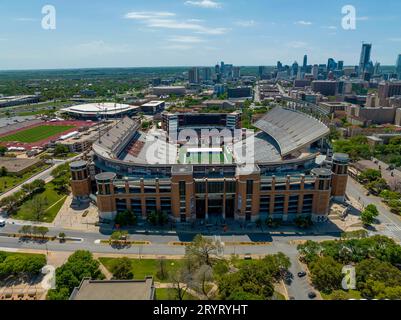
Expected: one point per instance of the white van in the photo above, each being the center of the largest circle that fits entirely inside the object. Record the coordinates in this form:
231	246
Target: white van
2	223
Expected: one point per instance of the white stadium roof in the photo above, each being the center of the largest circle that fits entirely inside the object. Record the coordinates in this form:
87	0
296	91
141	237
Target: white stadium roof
291	129
108	108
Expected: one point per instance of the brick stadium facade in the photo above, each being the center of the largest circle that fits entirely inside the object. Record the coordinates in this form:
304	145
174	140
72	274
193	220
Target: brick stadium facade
281	189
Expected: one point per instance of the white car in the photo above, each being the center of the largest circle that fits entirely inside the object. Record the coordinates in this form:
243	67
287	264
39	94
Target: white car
2	223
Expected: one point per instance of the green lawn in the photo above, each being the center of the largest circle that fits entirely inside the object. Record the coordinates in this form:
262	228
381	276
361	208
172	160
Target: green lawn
54	203
169	294
9	182
352	294
145	267
18	254
36	134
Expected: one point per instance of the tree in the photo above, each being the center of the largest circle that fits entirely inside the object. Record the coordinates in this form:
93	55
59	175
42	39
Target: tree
118	236
369	214
38	208
21	265
370	175
251	279
377	186
339	295
309	251
78	266
162	270
202	250
61	184
26	230
61	150
62	170
3	151
62	236
9	203
3	171
158	218
126	218
326	274
35	186
122	269
42	231
202	277
180	280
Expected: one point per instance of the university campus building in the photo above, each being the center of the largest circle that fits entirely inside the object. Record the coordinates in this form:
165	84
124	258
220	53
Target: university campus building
192	179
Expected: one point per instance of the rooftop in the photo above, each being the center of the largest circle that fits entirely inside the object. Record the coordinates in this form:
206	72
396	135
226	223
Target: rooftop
100	108
15	165
153	104
114	290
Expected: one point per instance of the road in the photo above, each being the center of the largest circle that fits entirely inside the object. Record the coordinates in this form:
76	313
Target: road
391	221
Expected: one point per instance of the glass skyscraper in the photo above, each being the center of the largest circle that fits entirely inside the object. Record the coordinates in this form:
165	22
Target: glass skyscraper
398	70
365	57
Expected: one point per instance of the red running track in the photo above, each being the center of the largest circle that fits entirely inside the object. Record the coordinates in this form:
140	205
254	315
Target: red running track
29	146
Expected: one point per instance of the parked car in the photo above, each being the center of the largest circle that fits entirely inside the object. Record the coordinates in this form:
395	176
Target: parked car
248	256
301	274
312	295
2	223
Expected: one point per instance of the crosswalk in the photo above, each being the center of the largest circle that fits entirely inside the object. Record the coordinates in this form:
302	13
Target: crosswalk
393	227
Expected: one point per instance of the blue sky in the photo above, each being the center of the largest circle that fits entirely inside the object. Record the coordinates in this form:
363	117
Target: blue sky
130	33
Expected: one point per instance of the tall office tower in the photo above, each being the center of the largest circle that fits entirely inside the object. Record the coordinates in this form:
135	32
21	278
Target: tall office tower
222	67
305	64
279	66
262	72
236	72
340	65
207	74
399	67
377	70
294	69
331	65
193	75
217	69
315	71
365	57
300	74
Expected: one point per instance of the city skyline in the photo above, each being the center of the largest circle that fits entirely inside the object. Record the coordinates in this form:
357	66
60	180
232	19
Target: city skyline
194	33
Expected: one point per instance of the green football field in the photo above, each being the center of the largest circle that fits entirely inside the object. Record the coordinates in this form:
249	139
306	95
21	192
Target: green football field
35	134
205	158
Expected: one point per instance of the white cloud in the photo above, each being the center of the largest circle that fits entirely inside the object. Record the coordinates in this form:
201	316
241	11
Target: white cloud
143	15
177	47
303	23
26	19
245	23
297	44
195	20
185	39
330	27
208	4
164	20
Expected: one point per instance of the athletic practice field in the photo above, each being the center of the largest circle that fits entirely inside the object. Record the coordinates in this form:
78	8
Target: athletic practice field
35	134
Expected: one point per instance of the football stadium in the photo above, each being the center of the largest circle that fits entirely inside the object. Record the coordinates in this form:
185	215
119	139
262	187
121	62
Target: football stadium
206	167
